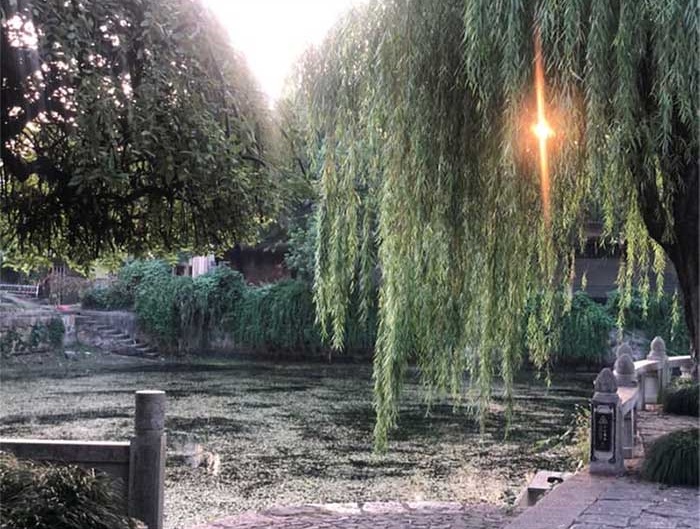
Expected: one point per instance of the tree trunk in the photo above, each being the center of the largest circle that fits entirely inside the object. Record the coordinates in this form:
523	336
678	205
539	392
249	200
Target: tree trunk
683	249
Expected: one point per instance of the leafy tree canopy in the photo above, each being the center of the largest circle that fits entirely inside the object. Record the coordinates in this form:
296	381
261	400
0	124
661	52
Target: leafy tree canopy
430	171
127	125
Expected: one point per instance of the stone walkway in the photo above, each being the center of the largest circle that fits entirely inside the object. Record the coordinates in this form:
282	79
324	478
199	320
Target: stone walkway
653	424
595	502
375	515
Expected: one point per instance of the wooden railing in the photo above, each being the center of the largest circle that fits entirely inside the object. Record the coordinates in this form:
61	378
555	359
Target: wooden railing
138	466
619	394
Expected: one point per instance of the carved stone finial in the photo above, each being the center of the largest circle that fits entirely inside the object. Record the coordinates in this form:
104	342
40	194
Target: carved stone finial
658	349
623	349
624	365
624	371
605	382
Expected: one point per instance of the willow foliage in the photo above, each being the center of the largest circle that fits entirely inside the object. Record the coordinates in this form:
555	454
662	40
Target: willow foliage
429	170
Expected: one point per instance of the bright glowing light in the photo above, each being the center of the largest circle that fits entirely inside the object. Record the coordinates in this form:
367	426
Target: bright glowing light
272	34
542	129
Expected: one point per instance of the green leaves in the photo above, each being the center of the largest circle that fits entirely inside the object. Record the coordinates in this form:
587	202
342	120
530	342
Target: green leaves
39	495
141	130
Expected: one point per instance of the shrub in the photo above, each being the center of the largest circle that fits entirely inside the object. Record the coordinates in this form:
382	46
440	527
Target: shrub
673	458
585	332
659	316
121	293
276	316
112	297
682	398
282	316
181	312
39	496
55	331
578	336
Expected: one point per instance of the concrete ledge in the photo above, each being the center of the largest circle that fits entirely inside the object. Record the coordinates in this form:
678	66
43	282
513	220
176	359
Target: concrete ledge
628	398
678	361
645	366
560	507
78	452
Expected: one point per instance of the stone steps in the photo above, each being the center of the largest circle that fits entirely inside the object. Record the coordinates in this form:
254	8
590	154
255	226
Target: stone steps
115	340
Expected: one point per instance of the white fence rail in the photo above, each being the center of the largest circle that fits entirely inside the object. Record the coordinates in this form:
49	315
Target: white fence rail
20	290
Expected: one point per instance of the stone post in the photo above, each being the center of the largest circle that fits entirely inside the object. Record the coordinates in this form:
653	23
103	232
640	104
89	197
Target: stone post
687	370
147	459
606	427
656	387
626	377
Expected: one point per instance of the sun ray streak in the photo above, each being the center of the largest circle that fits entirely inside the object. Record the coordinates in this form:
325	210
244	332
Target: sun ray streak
542	129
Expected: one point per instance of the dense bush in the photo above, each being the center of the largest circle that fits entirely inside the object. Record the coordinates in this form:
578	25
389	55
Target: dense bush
658	316
682	398
120	294
40	496
580	335
276	316
282	316
584	332
112	297
180	311
673	458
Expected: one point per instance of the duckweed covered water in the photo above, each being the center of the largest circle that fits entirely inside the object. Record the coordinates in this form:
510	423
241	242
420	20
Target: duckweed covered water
297	433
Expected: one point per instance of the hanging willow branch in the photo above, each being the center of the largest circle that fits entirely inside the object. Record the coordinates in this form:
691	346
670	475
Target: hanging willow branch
429	170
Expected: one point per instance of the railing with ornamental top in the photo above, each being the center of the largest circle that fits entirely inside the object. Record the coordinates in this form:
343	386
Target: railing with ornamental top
619	394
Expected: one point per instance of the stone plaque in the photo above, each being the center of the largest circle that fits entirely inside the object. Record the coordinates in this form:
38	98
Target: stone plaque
603	428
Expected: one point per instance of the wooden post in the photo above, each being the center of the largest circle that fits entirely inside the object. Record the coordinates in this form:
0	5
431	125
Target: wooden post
147	460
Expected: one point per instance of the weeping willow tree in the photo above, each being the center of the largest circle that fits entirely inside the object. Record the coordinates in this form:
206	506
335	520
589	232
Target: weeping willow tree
429	172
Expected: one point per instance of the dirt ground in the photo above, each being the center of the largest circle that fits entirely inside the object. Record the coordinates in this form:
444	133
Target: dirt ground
290	433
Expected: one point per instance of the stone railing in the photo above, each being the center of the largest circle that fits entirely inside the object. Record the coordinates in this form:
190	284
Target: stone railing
138	466
619	394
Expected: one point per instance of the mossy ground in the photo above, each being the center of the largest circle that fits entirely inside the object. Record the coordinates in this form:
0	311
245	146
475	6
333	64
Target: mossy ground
296	433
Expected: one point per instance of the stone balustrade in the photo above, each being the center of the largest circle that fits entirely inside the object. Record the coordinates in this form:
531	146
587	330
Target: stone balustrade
137	467
620	394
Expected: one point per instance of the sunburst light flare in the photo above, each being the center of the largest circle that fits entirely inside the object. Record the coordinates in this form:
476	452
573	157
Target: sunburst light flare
542	129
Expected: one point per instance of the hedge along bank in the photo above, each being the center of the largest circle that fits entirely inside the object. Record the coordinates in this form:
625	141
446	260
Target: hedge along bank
219	311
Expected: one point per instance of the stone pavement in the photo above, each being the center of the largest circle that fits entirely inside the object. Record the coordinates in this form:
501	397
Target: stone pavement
371	515
597	502
654	423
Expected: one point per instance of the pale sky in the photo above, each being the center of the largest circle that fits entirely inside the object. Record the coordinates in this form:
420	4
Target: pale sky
272	34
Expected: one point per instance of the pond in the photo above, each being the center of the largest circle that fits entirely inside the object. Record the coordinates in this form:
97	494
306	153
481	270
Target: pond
299	433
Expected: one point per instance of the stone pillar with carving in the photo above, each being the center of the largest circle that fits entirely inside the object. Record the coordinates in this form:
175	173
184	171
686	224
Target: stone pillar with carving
606	427
658	354
627	378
